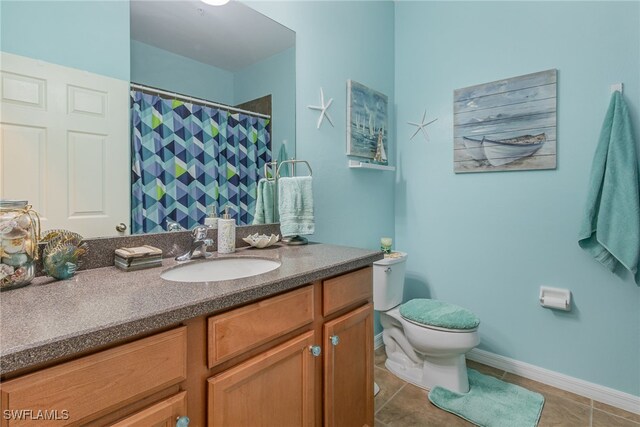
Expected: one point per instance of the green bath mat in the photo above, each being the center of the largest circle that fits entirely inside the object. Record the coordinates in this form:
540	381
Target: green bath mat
491	402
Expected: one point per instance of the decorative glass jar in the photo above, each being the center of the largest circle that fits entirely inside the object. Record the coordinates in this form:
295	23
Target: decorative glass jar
19	234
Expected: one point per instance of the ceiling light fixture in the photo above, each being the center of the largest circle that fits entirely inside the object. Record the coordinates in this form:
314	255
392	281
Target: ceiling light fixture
215	2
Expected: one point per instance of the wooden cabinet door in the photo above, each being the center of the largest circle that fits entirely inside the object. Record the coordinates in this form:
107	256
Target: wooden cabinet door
348	369
162	414
95	385
274	388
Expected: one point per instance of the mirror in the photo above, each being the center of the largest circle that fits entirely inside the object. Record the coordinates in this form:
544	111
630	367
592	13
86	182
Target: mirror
69	87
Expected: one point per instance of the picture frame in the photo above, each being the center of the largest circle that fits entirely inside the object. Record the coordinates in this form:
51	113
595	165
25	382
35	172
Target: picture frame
367	123
506	125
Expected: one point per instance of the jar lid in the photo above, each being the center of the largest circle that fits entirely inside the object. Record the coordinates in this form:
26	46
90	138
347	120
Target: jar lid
4	203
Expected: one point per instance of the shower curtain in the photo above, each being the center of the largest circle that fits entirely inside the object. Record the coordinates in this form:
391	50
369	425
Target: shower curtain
188	159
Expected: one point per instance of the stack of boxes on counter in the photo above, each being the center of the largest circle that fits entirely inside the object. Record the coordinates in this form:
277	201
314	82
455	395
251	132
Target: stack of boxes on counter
138	258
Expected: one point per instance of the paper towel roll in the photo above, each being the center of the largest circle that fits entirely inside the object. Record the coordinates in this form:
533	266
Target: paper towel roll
557	303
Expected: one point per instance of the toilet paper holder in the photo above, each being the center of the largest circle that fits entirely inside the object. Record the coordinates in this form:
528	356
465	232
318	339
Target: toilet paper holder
555	298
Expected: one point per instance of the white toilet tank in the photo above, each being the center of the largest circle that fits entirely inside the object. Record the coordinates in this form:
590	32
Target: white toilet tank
388	281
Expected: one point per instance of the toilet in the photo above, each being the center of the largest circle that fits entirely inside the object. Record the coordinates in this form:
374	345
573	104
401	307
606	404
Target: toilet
425	340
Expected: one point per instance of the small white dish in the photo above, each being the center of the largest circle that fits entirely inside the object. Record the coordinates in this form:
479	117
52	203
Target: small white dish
261	240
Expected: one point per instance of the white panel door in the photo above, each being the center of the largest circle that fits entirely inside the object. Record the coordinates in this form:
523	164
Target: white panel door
64	144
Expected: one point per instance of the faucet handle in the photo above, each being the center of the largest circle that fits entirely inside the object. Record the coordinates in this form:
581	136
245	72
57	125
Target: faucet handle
200	232
203	249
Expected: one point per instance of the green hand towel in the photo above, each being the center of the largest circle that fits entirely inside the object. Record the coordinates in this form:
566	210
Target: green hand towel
268	198
295	204
610	229
282	156
265	203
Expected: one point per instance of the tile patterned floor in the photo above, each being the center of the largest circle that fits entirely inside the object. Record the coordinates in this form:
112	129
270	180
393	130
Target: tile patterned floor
400	404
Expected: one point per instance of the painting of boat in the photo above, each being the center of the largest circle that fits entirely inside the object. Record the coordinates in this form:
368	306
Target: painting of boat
500	152
367	116
506	125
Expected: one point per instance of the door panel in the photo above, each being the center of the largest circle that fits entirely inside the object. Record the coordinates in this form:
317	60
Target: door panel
274	388
348	369
64	144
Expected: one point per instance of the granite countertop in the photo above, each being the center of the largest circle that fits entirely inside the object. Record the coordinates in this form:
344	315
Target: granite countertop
50	319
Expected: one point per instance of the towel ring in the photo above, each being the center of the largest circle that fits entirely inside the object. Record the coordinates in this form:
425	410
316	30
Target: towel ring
292	162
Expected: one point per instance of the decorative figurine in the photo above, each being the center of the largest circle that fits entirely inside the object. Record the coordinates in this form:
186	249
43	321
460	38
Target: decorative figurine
62	253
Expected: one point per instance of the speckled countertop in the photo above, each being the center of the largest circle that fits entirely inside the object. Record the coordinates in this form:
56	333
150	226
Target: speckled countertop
48	320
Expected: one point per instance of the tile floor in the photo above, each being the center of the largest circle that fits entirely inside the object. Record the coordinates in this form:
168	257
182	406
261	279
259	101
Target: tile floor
400	404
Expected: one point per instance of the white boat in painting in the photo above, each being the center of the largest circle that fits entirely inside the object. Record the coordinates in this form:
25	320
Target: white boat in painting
474	148
500	152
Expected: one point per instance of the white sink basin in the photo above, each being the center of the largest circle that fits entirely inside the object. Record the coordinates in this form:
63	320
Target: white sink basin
220	269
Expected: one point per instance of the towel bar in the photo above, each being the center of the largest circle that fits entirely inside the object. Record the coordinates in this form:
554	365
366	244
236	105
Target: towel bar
292	162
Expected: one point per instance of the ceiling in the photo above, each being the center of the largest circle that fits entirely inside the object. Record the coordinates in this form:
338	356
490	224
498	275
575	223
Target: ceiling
230	37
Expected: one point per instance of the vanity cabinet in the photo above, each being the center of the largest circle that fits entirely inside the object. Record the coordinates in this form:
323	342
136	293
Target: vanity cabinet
300	358
323	376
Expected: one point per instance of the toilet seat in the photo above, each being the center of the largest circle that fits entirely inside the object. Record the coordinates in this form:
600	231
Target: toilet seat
439	315
437	328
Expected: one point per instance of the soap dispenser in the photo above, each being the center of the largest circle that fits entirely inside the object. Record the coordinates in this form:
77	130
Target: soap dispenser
211	220
226	233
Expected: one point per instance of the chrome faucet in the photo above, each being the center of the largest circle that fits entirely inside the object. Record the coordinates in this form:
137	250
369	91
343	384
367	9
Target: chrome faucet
174	226
199	245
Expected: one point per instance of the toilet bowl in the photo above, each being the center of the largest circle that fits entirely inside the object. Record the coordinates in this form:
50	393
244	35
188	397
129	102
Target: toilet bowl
426	346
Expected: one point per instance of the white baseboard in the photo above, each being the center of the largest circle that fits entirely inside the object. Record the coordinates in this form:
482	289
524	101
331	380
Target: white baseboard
603	394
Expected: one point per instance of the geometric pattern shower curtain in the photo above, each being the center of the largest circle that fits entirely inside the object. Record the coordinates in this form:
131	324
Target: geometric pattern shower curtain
188	159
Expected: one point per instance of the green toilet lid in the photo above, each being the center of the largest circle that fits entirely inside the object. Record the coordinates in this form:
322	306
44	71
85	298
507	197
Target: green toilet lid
431	312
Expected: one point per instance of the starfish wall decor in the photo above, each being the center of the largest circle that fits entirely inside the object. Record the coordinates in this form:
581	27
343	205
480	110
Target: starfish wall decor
323	109
421	126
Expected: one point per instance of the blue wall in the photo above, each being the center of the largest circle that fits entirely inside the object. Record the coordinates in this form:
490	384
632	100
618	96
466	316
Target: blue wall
165	70
488	241
337	41
88	35
276	76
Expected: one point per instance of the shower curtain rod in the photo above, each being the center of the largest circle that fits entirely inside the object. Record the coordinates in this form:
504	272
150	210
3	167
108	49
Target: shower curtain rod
196	100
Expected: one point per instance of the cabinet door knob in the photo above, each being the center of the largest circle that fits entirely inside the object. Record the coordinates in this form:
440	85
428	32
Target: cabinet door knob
121	228
182	421
335	340
315	350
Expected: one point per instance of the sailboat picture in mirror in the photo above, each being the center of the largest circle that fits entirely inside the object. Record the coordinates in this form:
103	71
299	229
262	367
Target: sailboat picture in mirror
192	58
367	116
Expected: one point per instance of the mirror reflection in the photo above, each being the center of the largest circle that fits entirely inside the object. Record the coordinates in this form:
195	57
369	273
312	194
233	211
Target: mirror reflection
208	101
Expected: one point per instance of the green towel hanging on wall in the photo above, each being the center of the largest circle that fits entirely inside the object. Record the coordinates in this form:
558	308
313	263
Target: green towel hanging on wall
282	156
610	229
